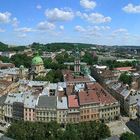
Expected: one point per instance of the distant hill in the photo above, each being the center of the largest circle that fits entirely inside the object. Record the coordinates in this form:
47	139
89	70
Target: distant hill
58	46
4	47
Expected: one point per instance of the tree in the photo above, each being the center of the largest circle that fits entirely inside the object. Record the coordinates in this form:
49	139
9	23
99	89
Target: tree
21	59
21	130
129	136
54	76
125	78
4	59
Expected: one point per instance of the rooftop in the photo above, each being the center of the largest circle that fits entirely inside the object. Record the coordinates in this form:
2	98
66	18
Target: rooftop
62	103
14	97
37	60
69	77
2	99
47	101
73	101
124	69
30	100
95	93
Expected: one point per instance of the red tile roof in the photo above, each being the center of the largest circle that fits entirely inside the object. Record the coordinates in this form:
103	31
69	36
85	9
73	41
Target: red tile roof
88	97
95	94
124	69
73	101
69	77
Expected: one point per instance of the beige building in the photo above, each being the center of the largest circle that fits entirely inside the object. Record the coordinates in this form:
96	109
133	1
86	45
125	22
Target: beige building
62	110
29	107
109	112
97	104
89	106
46	110
73	110
8	105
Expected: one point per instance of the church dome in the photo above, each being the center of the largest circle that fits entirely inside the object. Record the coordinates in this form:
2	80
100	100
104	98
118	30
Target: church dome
37	60
21	67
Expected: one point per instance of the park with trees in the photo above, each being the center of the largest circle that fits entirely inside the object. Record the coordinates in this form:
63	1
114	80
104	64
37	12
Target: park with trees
53	131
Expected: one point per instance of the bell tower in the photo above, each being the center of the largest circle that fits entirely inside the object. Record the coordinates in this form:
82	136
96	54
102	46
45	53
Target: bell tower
77	68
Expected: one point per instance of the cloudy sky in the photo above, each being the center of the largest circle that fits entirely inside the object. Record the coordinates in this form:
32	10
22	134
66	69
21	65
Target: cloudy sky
109	22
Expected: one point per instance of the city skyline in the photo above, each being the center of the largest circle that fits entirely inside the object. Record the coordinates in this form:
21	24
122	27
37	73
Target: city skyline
83	21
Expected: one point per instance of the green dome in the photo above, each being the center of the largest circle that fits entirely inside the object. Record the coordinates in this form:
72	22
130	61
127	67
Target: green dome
21	67
37	60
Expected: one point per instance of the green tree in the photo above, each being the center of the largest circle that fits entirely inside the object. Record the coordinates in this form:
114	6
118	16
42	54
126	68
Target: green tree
21	130
125	78
4	59
21	59
129	136
54	76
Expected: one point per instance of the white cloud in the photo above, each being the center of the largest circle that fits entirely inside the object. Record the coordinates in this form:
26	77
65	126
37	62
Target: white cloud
22	35
59	14
39	7
15	22
130	8
119	33
24	30
5	17
105	27
2	30
88	31
61	27
79	28
88	4
94	17
44	25
120	30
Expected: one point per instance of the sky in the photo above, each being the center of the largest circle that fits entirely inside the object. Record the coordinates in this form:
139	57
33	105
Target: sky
104	22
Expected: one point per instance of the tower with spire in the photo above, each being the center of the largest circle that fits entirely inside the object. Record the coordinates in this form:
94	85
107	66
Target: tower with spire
77	62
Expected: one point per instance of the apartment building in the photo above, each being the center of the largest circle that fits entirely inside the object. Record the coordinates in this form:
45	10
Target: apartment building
73	109
30	101
62	110
10	111
46	109
89	106
97	104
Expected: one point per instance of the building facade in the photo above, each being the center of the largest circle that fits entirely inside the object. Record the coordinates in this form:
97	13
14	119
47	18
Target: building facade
46	109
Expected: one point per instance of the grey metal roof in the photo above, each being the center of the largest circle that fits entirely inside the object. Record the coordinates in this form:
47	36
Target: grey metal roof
33	83
2	99
125	93
14	97
134	98
116	86
62	84
53	86
12	71
47	101
62	103
30	101
91	78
